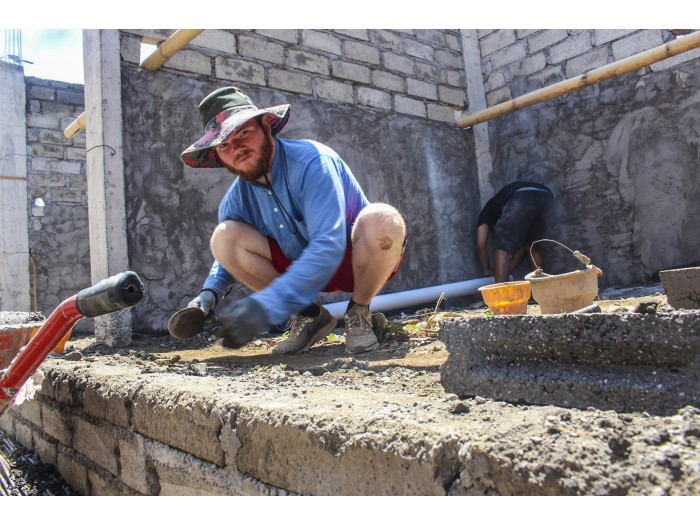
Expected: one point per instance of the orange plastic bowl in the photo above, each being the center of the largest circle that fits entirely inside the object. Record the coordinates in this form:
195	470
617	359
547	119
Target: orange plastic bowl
507	298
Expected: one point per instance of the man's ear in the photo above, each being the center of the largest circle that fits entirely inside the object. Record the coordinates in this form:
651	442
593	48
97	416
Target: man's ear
266	122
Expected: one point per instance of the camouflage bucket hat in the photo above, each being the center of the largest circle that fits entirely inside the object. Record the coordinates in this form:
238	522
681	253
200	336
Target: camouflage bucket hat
222	112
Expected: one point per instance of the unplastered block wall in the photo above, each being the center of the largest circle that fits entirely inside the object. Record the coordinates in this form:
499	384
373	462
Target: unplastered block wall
384	100
57	192
621	155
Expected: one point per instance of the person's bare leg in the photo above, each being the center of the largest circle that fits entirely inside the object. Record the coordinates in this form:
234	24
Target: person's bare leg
377	245
245	253
501	266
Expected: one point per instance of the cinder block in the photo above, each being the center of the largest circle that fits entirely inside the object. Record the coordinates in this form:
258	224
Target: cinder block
456	97
36	120
137	471
45	448
23	434
441	113
508	55
637	43
216	39
321	41
410	106
682	287
374	98
527	66
454	78
498	96
309	62
603	36
30	410
334	90
418	49
290	81
77	98
576	44
73	473
191	61
361	52
67	167
581	64
239	70
387	39
692	54
290	36
394	62
453	42
57	424
418	88
47	150
102	484
56	108
261	49
97	443
432	36
495	41
42	93
449	59
386	80
430	72
545	38
350	71
359	34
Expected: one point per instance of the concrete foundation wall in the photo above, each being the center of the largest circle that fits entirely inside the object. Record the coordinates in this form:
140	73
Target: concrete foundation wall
57	193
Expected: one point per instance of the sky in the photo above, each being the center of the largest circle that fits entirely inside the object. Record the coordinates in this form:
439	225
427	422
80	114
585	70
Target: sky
55	54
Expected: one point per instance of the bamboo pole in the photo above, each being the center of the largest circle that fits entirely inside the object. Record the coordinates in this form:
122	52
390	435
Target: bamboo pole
76	126
169	47
617	68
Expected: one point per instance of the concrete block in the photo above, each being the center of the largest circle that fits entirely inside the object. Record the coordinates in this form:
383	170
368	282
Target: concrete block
545	38
291	36
334	90
495	41
418	50
441	113
418	88
102	484
321	41
73	473
97	443
290	81
239	70
456	97
75	153
7	422
603	36
359	34
47	150
30	410
496	80
454	78
67	167
581	64
45	448
432	36
35	120
52	136
449	58
387	40
216	39
637	43
191	61
137	470
688	56
23	434
682	287
374	98
394	62
77	98
361	52
522	33
57	424
453	42
576	44
41	93
508	55
108	403
386	80
350	71
498	96
430	72
56	108
261	49
623	362
410	106
130	48
529	65
309	62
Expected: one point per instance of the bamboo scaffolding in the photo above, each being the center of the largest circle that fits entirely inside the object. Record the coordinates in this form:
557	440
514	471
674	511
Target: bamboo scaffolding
169	47
160	56
614	69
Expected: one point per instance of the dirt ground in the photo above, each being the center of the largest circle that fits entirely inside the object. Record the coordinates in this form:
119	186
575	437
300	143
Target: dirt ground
408	361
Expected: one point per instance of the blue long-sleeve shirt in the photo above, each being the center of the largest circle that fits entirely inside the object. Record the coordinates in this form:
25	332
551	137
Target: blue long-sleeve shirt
319	200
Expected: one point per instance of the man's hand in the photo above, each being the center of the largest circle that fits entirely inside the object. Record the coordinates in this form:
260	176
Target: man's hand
205	301
241	322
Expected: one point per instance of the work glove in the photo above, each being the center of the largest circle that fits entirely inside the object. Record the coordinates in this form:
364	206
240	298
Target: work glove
192	319
240	322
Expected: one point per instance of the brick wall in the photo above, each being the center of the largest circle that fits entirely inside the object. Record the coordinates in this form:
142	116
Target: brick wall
57	192
417	72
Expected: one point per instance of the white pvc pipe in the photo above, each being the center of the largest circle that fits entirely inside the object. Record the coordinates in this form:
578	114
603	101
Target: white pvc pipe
394	301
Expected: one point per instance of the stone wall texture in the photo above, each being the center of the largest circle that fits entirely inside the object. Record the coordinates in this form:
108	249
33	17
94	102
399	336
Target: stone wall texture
59	240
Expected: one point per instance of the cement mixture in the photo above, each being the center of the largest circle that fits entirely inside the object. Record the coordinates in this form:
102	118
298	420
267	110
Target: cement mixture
556	450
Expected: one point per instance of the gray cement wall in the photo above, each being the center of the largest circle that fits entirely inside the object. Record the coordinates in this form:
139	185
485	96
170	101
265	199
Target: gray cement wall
422	166
57	193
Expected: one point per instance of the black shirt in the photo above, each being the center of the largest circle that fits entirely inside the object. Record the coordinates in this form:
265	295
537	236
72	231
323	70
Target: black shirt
491	212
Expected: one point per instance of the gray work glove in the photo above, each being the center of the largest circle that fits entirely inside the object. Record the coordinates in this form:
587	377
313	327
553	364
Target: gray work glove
240	322
192	319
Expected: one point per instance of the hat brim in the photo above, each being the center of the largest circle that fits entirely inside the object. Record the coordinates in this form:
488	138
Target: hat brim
201	153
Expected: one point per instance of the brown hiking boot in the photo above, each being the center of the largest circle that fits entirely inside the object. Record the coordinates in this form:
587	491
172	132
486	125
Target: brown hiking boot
305	332
359	335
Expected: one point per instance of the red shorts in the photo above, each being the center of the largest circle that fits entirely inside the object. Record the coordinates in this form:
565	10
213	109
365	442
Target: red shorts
342	281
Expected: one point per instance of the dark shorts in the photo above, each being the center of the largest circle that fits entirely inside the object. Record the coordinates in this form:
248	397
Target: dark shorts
342	281
522	220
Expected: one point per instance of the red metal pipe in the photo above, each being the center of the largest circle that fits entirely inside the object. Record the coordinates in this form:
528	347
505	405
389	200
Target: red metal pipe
59	323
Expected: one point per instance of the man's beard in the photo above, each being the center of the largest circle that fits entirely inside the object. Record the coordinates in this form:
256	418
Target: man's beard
259	168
